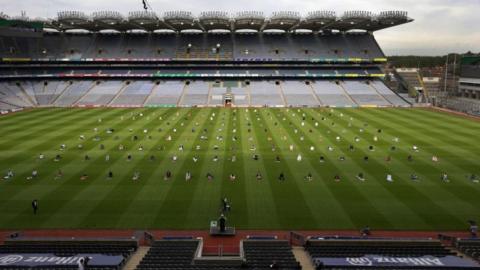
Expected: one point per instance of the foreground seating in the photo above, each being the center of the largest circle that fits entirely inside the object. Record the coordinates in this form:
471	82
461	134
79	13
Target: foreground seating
384	254
180	254
64	254
470	247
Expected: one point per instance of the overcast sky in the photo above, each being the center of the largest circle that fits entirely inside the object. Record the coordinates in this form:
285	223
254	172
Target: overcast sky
440	26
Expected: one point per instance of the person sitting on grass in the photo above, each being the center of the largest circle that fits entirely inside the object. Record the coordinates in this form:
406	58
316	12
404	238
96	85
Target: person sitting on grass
188	176
209	176
174	158
371	148
351	148
322	159
365	158
299	157
33	175
309	177
336	178
410	158
215	158
281	177
232	177
152	158
136	176
87	157
59	175
41	156
129	157
474	178
57	158
415	148
414	177
84	177
389	178
360	177
259	175
434	158
109	175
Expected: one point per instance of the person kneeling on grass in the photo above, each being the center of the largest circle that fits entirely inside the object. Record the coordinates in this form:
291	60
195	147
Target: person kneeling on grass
168	175
360	177
259	175
136	176
9	174
444	177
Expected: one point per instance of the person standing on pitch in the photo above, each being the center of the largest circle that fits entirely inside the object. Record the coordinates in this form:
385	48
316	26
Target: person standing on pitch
223	222
35	206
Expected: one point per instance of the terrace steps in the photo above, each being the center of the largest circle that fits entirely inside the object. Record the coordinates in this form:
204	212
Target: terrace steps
303	258
136	258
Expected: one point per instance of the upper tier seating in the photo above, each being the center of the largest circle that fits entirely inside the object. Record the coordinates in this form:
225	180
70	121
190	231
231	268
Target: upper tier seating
239	46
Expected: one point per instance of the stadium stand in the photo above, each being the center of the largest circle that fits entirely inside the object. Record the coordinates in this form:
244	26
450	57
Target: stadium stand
166	93
134	95
195	93
332	93
187	68
101	94
470	247
330	253
186	254
266	93
260	254
363	94
65	253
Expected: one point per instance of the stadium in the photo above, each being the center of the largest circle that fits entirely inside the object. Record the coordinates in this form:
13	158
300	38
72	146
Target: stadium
230	141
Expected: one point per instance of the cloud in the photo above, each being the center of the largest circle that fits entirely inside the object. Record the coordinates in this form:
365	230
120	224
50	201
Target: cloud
440	26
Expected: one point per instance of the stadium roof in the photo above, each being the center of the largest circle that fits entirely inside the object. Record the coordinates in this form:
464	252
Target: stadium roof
218	20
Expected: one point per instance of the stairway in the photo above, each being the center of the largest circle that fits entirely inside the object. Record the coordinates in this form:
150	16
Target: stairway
136	258
303	258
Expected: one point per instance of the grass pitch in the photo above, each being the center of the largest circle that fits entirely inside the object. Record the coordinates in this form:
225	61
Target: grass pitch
296	203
